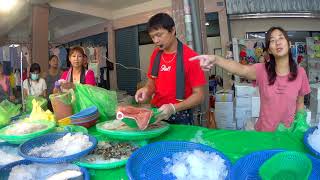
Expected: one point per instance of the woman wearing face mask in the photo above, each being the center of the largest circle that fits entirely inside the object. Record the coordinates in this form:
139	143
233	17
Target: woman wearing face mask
77	73
34	85
282	83
5	89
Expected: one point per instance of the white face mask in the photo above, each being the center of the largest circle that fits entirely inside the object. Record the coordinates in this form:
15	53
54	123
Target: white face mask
34	76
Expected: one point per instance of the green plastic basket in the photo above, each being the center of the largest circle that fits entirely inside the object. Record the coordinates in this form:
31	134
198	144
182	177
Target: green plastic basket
110	165
288	165
18	139
133	124
134	134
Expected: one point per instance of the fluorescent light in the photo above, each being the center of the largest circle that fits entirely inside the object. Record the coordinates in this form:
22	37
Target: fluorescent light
207	24
7	5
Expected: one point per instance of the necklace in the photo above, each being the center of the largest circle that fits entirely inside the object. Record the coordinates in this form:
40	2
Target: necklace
170	59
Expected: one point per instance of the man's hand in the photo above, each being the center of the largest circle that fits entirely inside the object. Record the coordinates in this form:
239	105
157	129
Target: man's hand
166	111
67	85
142	95
206	61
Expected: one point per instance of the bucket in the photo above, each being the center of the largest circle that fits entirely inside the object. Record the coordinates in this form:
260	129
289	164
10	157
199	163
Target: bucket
62	104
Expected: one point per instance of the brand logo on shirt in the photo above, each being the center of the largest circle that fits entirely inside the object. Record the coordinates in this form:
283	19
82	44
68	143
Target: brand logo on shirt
164	68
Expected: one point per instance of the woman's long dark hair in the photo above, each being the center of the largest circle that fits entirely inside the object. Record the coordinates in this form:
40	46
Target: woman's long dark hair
271	64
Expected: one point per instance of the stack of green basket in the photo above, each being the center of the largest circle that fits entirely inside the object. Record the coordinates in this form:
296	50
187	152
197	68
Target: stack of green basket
288	165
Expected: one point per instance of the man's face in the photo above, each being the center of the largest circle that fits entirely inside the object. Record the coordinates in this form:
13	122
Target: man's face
162	38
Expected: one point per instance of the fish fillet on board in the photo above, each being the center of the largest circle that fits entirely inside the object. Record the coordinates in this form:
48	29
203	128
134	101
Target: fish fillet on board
141	115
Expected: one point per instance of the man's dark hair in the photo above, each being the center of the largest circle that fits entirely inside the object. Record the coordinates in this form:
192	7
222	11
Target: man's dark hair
160	20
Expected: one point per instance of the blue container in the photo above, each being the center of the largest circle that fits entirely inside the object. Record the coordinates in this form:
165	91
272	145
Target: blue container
26	147
5	170
86	112
247	167
148	161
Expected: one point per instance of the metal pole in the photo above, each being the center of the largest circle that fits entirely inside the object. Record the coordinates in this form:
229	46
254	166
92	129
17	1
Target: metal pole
21	80
195	16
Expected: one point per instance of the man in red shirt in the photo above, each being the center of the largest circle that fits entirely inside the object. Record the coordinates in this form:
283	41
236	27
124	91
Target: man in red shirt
175	84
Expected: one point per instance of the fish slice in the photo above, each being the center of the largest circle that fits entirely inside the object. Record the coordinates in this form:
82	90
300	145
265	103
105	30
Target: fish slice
133	124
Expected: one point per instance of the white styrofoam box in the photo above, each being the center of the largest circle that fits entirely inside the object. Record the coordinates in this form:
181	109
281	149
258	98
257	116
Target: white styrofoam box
315	120
224	117
308	116
243	112
243	102
230	126
245	90
255	106
241	115
224	96
314	107
223	106
315	90
241	123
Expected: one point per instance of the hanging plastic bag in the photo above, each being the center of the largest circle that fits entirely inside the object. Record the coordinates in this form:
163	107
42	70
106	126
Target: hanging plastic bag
38	114
299	125
10	108
42	102
4	117
62	104
87	96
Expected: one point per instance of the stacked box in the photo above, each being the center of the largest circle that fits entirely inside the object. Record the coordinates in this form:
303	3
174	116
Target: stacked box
224	96
315	103
224	115
243	103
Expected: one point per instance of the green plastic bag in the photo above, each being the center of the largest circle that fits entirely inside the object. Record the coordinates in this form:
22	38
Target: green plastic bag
42	102
299	125
4	117
87	96
10	108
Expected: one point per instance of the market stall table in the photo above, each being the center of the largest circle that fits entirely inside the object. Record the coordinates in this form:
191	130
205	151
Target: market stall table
234	144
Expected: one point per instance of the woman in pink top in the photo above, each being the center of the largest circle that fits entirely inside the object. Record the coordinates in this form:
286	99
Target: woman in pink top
77	73
282	83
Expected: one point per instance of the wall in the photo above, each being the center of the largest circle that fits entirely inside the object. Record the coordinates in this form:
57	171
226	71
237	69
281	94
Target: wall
240	27
145	52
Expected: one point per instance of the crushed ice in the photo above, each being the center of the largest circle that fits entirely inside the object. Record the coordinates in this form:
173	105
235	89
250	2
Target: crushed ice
42	171
196	164
67	145
8	155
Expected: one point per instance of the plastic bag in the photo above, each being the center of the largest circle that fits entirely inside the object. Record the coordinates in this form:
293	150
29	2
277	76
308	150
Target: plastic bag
38	114
10	108
42	102
299	125
87	96
4	117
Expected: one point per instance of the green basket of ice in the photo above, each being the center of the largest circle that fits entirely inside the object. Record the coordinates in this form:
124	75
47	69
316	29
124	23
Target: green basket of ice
21	131
110	154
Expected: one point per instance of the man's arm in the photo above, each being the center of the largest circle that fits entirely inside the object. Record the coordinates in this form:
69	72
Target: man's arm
195	99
